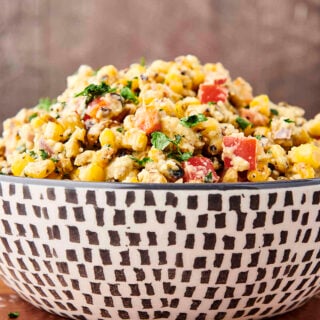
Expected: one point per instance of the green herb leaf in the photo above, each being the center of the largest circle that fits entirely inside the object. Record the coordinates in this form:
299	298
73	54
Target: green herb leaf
193	120
13	315
159	140
93	91
211	103
142	61
33	154
258	136
180	156
243	123
128	95
34	115
177	139
44	154
45	104
274	111
129	84
141	162
120	129
54	160
208	178
288	120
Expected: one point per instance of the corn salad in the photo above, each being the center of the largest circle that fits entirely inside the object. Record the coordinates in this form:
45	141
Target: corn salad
177	121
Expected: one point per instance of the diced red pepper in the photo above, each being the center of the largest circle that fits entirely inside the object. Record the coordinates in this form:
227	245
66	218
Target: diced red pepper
199	169
243	147
213	92
148	120
94	106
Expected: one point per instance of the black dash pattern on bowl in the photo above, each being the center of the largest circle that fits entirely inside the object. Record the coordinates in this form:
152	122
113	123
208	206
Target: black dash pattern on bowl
117	253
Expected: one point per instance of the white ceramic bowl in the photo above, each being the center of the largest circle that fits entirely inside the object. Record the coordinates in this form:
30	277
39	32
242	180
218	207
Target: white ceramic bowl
152	251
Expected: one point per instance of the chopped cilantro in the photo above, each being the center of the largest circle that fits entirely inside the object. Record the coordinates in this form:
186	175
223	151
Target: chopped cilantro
159	140
54	160
180	156
93	90
33	154
274	111
129	84
142	61
288	120
128	95
141	162
211	103
258	136
44	154
34	115
119	129
13	315
193	120
45	104
243	123
177	139
208	178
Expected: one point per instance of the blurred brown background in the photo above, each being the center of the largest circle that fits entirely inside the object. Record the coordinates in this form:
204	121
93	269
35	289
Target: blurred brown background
274	44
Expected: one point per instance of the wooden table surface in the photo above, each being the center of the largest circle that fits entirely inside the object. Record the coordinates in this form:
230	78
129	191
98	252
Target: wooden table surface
10	302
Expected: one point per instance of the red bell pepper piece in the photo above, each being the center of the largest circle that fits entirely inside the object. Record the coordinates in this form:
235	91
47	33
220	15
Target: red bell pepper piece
243	147
148	120
213	92
199	169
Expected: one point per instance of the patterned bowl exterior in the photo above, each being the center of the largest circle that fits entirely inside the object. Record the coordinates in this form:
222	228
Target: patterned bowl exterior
117	251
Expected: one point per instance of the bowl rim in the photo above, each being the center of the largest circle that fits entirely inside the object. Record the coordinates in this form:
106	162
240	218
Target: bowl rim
222	186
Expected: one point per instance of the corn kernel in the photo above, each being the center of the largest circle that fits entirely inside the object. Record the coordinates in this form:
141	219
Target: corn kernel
307	153
151	176
53	131
231	175
155	154
158	69
120	168
65	165
174	81
69	123
261	131
261	103
278	157
132	177
210	67
135	139
260	174
19	163
107	138
197	77
72	148
92	172
39	169
108	73
37	122
301	170
190	103
313	127
103	156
